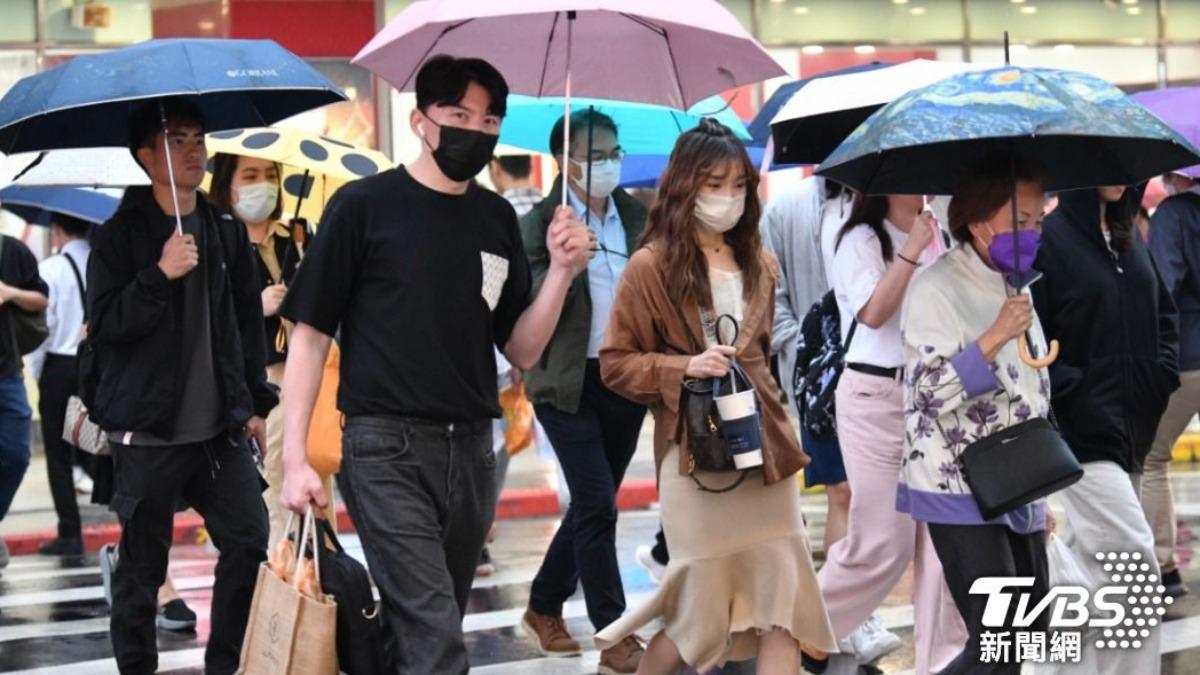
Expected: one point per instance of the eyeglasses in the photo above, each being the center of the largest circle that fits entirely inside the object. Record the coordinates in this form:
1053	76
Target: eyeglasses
616	155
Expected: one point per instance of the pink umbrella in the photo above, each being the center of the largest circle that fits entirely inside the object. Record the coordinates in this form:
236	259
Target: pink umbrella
666	52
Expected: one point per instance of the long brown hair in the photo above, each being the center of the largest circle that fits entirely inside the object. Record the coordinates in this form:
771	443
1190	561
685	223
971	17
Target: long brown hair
672	223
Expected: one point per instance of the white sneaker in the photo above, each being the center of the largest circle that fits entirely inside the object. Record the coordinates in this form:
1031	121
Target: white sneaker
870	641
83	484
647	561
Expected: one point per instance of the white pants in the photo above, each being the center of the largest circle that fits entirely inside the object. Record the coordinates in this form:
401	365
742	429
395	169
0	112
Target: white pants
1104	515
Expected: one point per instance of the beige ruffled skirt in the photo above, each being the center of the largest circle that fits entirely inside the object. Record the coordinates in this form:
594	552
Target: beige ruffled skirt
740	566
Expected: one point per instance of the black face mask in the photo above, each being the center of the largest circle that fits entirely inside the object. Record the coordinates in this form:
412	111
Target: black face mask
462	153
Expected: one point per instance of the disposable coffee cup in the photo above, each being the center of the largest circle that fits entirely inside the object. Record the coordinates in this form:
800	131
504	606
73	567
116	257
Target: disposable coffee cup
736	406
740	427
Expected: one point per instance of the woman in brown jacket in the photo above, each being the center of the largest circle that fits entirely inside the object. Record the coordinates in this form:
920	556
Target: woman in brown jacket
740	582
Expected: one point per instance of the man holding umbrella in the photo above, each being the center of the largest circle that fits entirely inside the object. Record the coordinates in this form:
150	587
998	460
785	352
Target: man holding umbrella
176	322
421	294
594	430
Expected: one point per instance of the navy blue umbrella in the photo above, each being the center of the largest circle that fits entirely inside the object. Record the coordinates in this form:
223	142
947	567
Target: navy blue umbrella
38	204
760	126
643	171
87	101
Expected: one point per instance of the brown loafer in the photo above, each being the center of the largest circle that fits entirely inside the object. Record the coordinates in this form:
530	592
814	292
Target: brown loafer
622	658
550	633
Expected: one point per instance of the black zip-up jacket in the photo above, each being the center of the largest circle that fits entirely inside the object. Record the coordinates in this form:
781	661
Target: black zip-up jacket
135	319
1117	328
1175	243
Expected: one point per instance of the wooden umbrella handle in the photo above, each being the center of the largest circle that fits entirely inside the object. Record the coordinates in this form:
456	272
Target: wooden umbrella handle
1023	350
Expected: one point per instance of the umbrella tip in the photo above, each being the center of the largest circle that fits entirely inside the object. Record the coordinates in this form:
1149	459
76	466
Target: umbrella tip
1006	59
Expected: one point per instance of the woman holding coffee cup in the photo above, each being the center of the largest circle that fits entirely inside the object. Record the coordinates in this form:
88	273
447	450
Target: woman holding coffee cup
694	299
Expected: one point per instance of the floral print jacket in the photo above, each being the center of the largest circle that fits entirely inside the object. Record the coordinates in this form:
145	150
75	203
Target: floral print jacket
953	396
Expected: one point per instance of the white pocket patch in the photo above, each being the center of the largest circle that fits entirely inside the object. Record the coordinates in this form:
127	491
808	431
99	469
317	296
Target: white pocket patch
495	273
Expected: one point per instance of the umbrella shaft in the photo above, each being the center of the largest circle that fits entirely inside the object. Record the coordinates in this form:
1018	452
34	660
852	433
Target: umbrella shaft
567	108
162	112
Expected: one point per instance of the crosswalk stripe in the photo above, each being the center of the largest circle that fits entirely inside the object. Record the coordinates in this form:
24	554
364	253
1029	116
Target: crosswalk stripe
53	629
88	593
175	567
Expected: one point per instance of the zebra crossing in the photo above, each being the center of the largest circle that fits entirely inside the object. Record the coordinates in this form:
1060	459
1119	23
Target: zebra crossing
54	618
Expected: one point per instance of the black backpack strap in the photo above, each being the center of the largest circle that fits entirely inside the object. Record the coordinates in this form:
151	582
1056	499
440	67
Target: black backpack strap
850	335
78	284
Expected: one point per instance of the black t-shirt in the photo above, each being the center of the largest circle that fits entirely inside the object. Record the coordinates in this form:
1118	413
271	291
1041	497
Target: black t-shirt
19	269
422	284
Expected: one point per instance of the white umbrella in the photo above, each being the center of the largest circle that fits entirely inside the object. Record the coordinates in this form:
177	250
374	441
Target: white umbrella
823	112
82	167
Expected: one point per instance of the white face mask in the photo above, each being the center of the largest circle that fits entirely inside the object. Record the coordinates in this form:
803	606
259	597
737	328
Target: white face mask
606	175
719	213
256	201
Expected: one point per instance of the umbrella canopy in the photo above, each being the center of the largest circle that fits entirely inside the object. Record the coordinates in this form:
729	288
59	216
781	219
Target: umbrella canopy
315	166
303	150
643	129
36	204
86	102
644	171
1180	108
1085	131
78	167
823	113
760	126
668	52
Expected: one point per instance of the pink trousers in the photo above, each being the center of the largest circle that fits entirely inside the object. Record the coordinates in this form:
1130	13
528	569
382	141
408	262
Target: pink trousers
863	568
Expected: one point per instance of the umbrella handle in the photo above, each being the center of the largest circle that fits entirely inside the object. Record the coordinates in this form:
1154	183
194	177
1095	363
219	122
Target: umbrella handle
1023	350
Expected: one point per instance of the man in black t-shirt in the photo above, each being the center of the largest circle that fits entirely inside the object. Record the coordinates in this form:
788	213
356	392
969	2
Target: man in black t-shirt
21	290
423	271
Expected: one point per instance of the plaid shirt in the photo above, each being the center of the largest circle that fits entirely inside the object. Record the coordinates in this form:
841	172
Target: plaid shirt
523	199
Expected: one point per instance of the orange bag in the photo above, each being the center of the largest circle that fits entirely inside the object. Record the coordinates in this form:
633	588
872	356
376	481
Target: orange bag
325	426
518	419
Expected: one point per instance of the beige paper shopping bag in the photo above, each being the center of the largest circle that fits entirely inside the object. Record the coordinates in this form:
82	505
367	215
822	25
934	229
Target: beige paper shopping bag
293	625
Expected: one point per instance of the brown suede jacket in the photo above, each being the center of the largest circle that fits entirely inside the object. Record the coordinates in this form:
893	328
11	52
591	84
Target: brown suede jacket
637	362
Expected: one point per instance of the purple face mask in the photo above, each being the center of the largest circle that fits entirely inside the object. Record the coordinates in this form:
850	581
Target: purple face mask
1024	243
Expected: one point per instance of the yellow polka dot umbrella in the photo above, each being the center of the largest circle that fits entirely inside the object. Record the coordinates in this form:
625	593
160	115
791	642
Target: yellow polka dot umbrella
315	166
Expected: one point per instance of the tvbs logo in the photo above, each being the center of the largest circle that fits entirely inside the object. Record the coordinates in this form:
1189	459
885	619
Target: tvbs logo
1126	610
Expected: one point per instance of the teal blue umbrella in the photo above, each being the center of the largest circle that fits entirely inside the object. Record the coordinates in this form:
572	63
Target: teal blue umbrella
644	129
1084	130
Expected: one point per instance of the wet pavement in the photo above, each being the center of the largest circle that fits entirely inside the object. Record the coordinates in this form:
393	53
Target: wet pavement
54	619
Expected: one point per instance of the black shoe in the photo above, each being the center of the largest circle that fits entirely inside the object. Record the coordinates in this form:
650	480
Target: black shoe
1174	584
176	616
62	546
812	664
486	567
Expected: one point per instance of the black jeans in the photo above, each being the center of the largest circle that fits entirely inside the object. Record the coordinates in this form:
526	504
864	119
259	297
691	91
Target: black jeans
594	447
60	376
218	479
968	552
422	498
